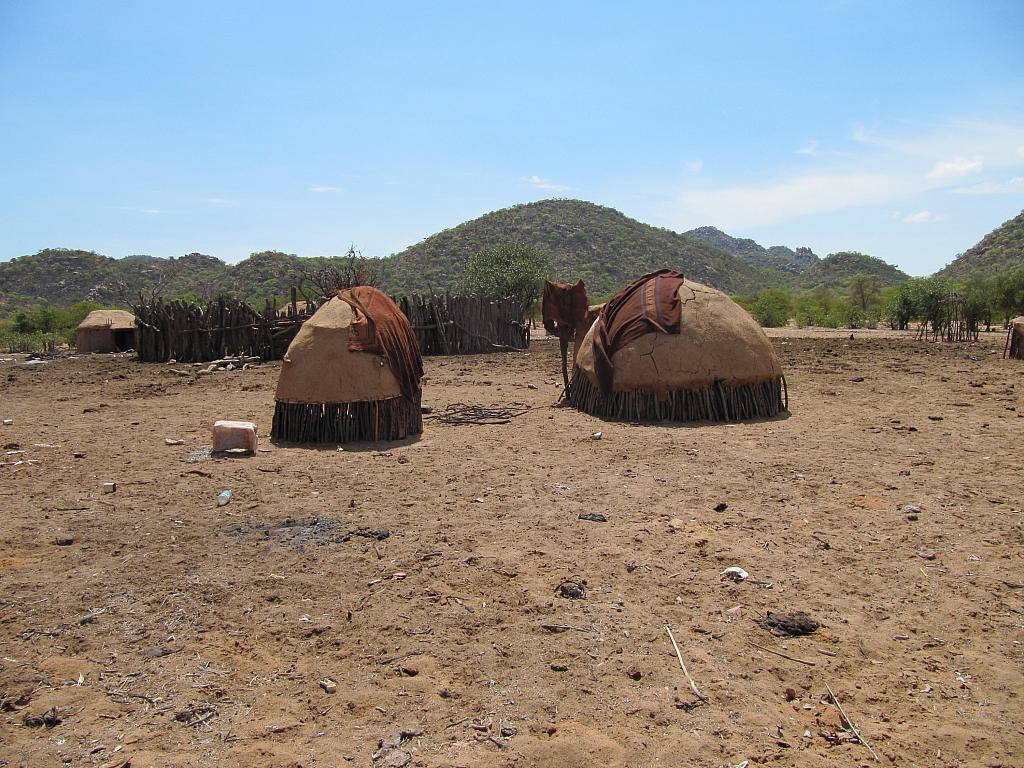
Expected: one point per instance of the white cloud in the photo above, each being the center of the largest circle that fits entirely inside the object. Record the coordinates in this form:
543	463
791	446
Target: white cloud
754	205
695	166
540	183
995	145
137	209
951	169
921	217
1009	187
324	188
878	169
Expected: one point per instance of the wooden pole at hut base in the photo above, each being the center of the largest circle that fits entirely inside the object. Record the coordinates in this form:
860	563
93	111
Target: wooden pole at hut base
393	418
716	403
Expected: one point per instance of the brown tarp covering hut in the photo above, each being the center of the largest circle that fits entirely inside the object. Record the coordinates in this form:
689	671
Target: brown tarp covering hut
106	330
352	373
713	364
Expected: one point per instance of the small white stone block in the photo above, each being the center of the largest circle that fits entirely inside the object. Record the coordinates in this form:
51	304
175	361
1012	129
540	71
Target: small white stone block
234	435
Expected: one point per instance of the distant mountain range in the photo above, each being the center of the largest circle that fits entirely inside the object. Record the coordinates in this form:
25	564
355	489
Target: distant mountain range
600	245
775	257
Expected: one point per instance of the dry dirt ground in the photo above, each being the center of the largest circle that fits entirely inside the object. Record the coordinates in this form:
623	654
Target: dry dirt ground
150	627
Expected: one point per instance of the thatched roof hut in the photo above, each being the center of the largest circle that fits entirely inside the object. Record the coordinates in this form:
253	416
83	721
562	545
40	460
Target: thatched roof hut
694	355
352	373
106	330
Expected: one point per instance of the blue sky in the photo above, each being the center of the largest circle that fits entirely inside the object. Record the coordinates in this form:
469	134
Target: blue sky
896	129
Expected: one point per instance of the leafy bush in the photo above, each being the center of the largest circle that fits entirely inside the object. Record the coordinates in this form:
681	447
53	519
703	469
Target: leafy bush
772	308
510	270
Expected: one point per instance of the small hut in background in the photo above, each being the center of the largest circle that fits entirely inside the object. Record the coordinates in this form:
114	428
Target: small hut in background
1015	339
106	330
351	374
670	349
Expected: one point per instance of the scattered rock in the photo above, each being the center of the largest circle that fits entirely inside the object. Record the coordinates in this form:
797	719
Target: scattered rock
390	754
329	685
633	672
48	719
531	386
572	590
558	666
64	541
926	554
911	511
594	517
159	651
721	506
507	729
108	487
735	573
597	436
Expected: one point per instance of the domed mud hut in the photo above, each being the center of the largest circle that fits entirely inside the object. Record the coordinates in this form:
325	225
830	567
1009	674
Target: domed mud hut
1015	339
106	330
670	349
351	374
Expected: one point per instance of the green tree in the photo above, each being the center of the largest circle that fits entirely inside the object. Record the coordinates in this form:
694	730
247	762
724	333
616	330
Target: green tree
900	307
509	270
772	308
1008	294
978	300
864	291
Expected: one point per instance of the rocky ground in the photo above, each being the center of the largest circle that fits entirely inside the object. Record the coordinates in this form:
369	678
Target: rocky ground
441	602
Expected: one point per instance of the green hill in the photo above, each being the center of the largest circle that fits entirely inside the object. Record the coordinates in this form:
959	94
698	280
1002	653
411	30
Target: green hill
1000	250
600	245
62	276
775	257
836	270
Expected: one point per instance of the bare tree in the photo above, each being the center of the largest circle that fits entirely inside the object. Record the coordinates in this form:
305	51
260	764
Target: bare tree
342	272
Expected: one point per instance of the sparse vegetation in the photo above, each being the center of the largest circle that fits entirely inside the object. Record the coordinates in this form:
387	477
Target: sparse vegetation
999	252
510	270
36	329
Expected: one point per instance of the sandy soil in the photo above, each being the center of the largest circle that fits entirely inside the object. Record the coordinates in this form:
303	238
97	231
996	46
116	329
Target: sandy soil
173	632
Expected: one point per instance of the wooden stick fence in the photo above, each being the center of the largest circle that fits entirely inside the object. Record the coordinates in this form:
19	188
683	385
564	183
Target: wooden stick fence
465	325
193	333
952	322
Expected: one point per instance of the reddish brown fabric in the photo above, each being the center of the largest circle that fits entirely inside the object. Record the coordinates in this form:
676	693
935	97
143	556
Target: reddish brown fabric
564	308
650	304
380	327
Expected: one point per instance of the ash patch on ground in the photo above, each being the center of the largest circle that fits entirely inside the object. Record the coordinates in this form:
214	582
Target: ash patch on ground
301	532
